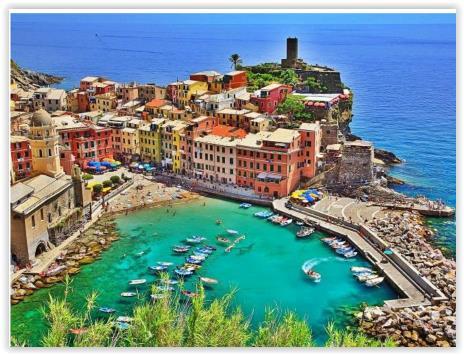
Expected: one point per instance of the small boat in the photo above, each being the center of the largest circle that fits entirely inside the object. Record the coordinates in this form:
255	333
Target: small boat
169	282
328	240
180	250
183	272
218	221
191	267
195	239
313	275
357	269
137	282
140	253
264	214
158	296
350	254
157	268
107	310
198	257
189	294
203	250
190	260
242	237
299	223
286	222
128	294
245	205
165	288
304	232
223	240
164	263
278	219
364	278
210	247
124	319
208	280
78	331
344	250
232	231
122	325
229	248
374	282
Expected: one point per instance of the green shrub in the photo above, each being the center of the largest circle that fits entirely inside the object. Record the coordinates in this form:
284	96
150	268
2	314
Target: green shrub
87	176
97	188
107	183
115	179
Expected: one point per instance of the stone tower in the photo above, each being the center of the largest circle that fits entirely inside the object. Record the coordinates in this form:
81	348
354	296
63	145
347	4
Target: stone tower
292	53
44	145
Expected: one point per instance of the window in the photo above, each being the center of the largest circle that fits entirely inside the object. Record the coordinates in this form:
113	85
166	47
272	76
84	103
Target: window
42	214
33	221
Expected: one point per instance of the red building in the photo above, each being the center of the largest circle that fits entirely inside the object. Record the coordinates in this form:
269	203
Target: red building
20	156
269	97
172	91
83	142
207	76
234	79
83	102
311	145
270	162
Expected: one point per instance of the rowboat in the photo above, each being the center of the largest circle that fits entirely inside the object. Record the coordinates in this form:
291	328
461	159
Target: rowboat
344	250
199	254
350	254
157	268
124	319
183	272
208	280
374	282
304	232
223	240
364	278
299	223
181	249
164	263
232	231
356	269
190	260
137	282
107	310
128	294
158	296
189	294
286	222
165	288
198	257
245	205
209	247
195	239
264	214
168	282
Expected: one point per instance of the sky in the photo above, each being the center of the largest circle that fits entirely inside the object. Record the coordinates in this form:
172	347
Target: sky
348	18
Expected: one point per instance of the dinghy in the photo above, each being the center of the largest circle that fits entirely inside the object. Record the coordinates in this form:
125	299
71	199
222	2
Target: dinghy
208	280
356	269
264	214
107	310
180	249
137	282
232	231
364	278
299	223
350	254
304	232
189	294
124	319
164	263
158	296
245	205
223	240
195	239
128	294
374	282
157	268
286	222
183	272
190	260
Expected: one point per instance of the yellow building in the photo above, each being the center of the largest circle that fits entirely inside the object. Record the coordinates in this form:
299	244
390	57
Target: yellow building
171	131
105	102
44	142
150	140
191	88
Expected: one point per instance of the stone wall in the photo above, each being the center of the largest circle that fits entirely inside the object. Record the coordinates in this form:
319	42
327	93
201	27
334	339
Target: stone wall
328	78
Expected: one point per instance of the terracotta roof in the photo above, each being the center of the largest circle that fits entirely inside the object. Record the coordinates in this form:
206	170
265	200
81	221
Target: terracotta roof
156	103
228	131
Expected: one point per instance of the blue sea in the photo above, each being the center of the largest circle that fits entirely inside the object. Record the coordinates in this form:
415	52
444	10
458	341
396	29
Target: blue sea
403	75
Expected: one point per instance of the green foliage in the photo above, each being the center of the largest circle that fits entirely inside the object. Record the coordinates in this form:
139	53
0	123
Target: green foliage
97	188
289	77
171	322
107	183
265	74
294	107
115	179
315	86
87	176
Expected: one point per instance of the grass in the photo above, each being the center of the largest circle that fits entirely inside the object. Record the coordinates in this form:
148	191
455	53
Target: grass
173	322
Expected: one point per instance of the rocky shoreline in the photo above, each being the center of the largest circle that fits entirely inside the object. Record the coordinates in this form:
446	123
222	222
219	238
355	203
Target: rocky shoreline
433	325
85	250
31	80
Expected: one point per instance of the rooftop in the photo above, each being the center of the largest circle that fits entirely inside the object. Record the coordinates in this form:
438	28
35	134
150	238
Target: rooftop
207	73
271	87
309	126
90	78
67	122
228	131
358	143
254	140
282	135
18	139
156	103
231	111
235	72
218	140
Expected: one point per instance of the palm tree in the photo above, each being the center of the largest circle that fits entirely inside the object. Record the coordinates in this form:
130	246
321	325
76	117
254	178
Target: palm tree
235	60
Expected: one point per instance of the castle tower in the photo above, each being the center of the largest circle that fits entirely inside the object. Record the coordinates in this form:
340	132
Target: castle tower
292	53
44	145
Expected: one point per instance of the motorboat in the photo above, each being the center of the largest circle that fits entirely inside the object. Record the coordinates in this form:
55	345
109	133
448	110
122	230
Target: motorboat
264	214
128	294
190	260
350	254
189	294
344	250
209	247
164	263
223	240
201	255
374	282
198	257
364	277
245	205
165	288
357	269
232	231
218	221
286	222
299	223
196	239
181	249
313	275
191	267
124	319
168	282
304	232
208	280
183	272
158	296
107	310
137	282
203	250
328	240
157	268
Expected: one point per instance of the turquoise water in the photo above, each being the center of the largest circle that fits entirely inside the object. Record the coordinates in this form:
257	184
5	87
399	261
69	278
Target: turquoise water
268	274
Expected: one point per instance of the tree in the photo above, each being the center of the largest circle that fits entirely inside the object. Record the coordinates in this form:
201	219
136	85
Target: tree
97	189
115	179
107	183
87	176
294	107
235	60
289	77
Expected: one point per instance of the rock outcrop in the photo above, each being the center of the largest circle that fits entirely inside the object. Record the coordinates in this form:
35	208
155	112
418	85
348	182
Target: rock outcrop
29	80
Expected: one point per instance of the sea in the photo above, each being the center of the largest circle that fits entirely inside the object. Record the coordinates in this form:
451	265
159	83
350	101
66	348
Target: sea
403	77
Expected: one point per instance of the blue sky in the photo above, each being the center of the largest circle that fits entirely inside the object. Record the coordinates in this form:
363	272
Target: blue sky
316	19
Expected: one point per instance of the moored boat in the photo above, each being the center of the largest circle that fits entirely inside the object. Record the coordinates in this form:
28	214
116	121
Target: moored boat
158	296
232	231
364	277
223	240
356	269
137	282
350	254
286	222
124	319
165	288
189	294
183	272
128	294
374	282
196	239
245	205
304	232
264	214
180	249
107	310
164	263
208	280
157	268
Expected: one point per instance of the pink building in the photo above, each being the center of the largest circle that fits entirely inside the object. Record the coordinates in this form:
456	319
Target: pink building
269	97
310	144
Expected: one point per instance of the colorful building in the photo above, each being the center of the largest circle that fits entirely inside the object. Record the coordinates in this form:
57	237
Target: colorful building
232	117
171	131
150	91
150	140
311	145
234	79
21	161
127	92
105	102
190	89
269	97
49	99
270	162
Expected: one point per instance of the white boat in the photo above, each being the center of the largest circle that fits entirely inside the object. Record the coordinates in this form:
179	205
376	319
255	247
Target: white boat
164	263
124	319
158	296
286	222
232	231
374	282
350	254
245	205
364	277
140	254
299	223
128	294
304	232
208	280
137	282
356	269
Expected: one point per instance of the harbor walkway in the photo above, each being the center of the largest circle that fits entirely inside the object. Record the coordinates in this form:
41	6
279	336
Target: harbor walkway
414	288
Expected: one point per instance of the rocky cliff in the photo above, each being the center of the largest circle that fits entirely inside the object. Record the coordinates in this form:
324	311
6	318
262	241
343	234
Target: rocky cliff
31	80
